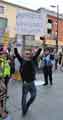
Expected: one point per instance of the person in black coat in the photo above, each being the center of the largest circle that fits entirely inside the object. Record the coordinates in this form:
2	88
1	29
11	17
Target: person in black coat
28	72
47	66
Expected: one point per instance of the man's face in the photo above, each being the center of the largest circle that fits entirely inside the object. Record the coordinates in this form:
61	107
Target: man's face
27	54
46	52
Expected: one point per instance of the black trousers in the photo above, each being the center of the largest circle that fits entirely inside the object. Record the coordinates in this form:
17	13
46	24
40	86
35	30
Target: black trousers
28	87
48	74
6	83
56	64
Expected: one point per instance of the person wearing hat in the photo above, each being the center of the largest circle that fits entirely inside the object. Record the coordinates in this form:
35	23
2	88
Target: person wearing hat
4	68
4	71
7	69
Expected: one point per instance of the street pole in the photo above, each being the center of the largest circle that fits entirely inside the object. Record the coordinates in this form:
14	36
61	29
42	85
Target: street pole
23	46
57	28
53	6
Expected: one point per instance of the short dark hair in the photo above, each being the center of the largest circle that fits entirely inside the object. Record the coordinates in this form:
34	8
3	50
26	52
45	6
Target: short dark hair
46	49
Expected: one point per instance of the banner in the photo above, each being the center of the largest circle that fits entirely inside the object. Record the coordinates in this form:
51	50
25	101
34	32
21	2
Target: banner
6	39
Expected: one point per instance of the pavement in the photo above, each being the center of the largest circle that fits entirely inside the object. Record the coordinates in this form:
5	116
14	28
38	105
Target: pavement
48	104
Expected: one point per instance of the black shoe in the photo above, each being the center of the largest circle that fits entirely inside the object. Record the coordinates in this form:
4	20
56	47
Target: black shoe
24	113
45	84
7	97
51	83
0	116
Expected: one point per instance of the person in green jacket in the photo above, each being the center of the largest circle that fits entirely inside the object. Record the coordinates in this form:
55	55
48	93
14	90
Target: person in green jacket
5	68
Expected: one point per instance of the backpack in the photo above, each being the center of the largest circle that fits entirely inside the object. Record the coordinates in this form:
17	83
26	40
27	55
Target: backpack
52	57
47	61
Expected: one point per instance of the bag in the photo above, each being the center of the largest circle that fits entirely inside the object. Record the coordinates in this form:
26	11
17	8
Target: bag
17	76
18	73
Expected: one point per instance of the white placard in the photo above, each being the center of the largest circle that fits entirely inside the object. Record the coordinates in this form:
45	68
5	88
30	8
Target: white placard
28	22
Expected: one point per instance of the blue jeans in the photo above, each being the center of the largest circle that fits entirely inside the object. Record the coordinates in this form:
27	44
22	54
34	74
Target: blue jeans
28	87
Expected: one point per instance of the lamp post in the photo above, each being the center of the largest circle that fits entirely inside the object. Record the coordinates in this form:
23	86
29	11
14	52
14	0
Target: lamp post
53	6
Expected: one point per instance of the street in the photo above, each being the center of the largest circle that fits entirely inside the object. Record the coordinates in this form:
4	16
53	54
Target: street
48	104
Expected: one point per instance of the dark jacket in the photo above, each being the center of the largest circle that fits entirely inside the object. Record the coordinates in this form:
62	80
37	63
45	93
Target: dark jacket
27	68
47	64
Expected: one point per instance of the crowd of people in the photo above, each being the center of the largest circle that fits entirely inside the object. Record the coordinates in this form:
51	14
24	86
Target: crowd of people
57	58
28	66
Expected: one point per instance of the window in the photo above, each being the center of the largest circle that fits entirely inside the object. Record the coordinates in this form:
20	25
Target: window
49	24
1	10
49	21
3	23
49	31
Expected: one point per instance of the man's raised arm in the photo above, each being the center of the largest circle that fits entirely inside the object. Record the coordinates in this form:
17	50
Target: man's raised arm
17	54
37	54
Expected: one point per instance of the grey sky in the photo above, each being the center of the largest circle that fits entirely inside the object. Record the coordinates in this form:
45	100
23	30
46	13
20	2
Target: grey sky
35	4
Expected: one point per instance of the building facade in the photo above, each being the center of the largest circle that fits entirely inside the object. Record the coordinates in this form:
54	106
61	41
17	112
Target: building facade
7	20
27	25
50	27
52	21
